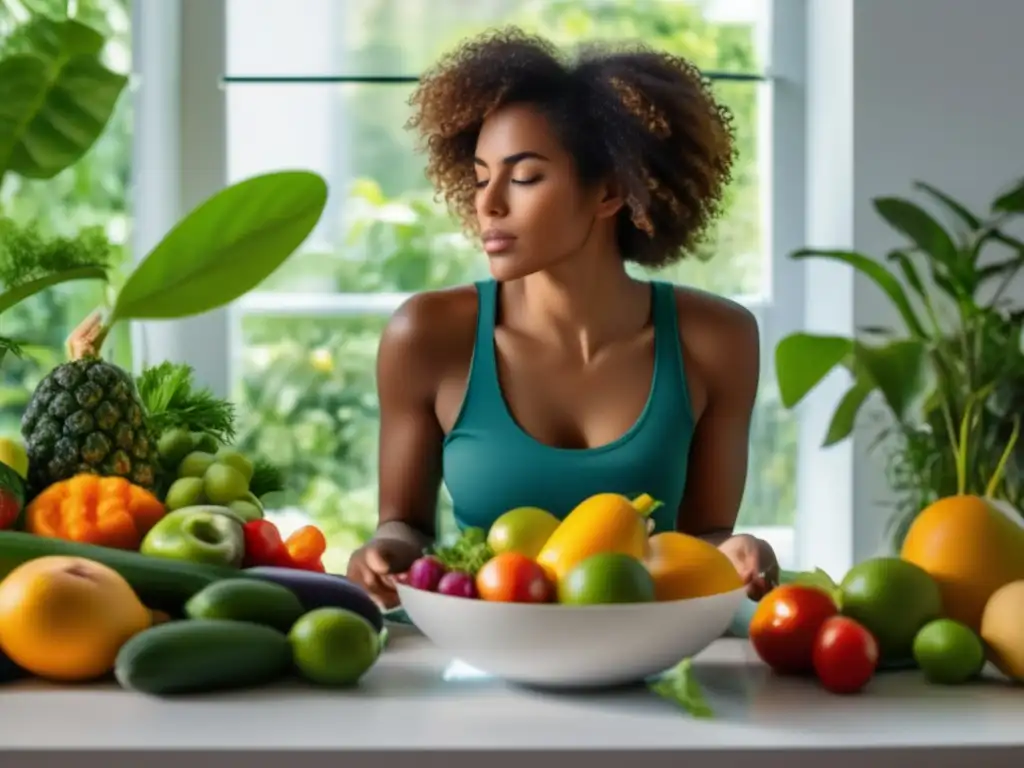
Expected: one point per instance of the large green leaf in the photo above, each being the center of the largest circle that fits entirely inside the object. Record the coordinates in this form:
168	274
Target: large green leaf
878	274
225	247
802	360
1010	201
920	227
844	419
968	219
900	370
55	99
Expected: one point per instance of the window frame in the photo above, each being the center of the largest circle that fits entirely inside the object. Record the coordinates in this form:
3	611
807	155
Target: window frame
180	157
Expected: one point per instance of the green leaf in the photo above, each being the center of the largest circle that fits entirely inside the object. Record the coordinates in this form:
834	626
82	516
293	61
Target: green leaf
1000	268
680	686
969	219
225	247
909	272
881	277
19	293
844	419
55	101
819	579
900	370
1011	201
920	227
802	360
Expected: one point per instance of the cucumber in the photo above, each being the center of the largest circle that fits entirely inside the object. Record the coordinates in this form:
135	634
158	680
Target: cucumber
202	656
161	583
261	602
322	590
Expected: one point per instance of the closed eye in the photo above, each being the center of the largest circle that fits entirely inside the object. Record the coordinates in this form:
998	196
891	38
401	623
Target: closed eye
521	182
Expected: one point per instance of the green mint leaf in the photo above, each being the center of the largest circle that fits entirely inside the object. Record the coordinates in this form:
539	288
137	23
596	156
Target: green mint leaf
680	686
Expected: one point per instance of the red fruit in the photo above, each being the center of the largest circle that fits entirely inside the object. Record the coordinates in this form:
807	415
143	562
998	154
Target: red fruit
514	578
10	508
785	625
845	655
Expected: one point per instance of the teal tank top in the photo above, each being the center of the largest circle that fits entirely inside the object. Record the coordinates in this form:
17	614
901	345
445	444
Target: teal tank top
491	465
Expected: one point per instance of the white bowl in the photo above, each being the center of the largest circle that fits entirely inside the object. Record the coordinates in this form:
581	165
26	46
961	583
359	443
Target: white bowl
570	646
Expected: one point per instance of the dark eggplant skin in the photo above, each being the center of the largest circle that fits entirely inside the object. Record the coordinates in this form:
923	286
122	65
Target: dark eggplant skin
322	590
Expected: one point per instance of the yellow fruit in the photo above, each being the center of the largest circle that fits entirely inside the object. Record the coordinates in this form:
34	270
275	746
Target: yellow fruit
523	530
685	567
12	453
65	618
606	522
1002	629
971	548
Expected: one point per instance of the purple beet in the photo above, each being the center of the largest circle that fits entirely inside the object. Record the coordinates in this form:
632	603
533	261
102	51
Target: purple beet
457	584
426	573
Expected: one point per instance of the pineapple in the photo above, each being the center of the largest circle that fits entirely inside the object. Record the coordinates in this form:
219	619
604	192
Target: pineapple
86	416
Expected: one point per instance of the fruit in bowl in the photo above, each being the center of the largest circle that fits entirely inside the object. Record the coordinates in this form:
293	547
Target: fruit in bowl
590	609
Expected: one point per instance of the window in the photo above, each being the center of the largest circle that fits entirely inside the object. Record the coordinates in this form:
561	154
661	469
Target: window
92	192
323	85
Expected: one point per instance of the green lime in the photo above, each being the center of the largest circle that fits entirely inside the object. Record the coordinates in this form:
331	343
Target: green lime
333	646
609	577
893	599
523	530
948	652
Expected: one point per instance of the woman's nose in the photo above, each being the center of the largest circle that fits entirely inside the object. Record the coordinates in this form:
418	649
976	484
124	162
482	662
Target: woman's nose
492	202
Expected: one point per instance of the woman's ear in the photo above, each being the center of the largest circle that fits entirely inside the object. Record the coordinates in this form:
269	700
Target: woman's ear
610	199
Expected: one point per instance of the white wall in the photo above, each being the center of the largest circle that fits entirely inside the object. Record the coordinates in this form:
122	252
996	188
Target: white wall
898	90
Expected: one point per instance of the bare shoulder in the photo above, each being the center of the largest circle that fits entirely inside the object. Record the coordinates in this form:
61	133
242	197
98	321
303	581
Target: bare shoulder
428	333
720	335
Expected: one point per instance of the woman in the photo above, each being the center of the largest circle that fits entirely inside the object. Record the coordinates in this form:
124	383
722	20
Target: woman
563	376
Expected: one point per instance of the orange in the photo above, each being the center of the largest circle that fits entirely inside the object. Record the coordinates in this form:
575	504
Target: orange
65	618
971	548
685	567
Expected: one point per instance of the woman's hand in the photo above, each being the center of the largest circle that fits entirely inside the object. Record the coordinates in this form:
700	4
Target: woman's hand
375	566
755	562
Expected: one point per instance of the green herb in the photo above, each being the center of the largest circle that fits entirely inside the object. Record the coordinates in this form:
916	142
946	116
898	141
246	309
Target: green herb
819	579
266	478
172	400
680	686
467	553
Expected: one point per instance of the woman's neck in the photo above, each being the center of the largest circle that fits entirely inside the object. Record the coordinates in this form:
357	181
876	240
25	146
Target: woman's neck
583	307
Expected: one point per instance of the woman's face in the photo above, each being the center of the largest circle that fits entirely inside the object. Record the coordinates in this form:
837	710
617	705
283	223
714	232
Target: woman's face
532	211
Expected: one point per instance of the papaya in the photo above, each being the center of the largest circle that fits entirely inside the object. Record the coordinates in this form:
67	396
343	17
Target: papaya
971	547
603	523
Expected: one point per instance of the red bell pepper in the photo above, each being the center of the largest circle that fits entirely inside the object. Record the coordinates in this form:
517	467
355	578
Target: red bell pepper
264	545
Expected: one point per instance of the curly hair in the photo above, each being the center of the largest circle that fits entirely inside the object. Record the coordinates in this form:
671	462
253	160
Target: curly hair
645	119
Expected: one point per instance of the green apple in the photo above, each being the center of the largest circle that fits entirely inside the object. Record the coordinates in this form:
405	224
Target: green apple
197	535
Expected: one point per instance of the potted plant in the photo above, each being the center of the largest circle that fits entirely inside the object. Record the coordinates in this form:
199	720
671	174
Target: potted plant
951	380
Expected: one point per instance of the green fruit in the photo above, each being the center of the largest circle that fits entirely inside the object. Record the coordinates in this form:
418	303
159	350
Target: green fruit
184	492
205	442
261	602
174	445
893	599
217	509
246	510
524	530
196	535
195	464
607	578
233	458
948	652
333	646
223	484
253	499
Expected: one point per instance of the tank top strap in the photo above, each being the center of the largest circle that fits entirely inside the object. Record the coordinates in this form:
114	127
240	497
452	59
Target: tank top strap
483	405
484	365
668	346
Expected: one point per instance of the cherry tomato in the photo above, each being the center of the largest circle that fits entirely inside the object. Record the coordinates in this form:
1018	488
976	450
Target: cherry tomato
785	625
514	578
845	655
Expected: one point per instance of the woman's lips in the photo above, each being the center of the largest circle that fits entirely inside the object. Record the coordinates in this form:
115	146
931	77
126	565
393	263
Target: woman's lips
498	244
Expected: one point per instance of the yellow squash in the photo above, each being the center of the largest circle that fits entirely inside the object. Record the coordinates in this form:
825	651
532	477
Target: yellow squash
606	522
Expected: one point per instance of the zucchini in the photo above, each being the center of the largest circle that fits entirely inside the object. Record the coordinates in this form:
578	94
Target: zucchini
161	583
202	656
261	602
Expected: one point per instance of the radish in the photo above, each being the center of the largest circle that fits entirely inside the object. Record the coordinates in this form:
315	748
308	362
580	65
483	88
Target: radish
457	584
426	573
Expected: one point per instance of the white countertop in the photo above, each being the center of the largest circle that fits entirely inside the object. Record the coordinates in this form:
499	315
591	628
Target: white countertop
417	698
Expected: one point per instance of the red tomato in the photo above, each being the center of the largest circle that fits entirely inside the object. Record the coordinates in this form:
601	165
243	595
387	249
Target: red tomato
845	655
785	624
514	578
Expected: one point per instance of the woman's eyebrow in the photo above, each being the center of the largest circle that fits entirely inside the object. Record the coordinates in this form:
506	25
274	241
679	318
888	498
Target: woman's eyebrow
513	159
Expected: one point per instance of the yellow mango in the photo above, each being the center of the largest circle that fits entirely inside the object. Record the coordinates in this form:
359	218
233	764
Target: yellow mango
605	522
685	567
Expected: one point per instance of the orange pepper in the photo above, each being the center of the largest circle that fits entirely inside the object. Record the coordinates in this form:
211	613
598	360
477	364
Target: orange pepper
306	545
107	511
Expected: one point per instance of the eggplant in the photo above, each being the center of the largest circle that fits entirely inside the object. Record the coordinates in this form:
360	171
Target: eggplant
322	590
